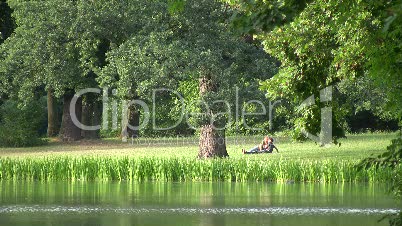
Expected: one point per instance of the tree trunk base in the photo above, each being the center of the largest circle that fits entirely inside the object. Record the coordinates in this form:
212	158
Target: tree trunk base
212	143
68	130
52	129
91	114
133	120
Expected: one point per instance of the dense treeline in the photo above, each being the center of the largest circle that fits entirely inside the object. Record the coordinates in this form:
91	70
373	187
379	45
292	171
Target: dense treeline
127	49
60	47
57	48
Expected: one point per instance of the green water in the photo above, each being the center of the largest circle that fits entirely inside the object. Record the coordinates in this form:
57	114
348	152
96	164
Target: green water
113	203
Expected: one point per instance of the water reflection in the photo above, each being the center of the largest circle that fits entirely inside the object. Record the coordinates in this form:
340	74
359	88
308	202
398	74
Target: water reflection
123	203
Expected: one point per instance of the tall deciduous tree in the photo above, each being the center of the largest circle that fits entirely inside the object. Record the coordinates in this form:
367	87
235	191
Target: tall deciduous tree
189	43
42	53
329	41
319	43
59	45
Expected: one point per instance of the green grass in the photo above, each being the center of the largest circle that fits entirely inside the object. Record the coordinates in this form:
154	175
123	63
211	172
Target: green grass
175	160
186	169
355	147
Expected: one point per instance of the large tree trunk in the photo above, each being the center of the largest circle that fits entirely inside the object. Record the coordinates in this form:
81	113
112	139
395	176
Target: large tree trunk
51	115
212	142
68	130
90	116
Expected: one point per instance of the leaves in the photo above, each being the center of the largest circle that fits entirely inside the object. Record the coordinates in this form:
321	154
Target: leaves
324	43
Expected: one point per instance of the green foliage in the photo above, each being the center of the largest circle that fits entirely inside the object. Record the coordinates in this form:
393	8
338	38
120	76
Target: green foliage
186	169
61	45
395	220
391	158
176	6
385	56
322	43
263	16
41	52
20	127
361	106
6	22
316	50
174	50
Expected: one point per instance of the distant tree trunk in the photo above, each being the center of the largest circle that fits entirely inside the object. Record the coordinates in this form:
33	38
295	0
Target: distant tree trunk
51	115
132	117
96	120
68	130
86	117
90	116
212	142
133	120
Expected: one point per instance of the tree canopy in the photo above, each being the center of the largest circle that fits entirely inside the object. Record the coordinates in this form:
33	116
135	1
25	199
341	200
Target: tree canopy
320	43
133	47
205	49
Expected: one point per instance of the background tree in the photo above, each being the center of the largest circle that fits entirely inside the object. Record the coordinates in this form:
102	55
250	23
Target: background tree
318	43
325	42
190	44
36	58
7	26
58	46
362	100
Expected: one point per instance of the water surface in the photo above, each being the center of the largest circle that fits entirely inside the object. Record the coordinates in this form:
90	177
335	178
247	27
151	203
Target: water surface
123	203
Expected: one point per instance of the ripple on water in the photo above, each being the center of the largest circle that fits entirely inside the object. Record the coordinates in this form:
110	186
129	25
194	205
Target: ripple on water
268	210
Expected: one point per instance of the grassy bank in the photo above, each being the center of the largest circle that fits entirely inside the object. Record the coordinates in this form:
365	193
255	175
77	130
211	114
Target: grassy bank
174	160
355	147
185	169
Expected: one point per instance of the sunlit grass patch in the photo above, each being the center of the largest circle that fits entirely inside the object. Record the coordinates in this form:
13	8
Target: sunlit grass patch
355	147
187	169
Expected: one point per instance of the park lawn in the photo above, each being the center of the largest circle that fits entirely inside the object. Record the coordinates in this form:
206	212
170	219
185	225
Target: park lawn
355	147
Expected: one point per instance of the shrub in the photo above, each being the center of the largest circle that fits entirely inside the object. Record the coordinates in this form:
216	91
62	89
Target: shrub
20	126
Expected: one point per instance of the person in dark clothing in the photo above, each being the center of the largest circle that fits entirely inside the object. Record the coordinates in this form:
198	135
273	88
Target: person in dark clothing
271	146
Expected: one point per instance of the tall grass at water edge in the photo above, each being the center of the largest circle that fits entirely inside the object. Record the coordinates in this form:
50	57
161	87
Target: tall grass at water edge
186	169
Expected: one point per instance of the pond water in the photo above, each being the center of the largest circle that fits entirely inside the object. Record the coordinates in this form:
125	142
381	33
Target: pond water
123	203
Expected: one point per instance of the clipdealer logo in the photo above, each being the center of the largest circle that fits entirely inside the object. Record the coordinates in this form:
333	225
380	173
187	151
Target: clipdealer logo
325	136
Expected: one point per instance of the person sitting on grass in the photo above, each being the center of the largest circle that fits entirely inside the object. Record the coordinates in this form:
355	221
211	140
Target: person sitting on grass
266	146
271	146
259	148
